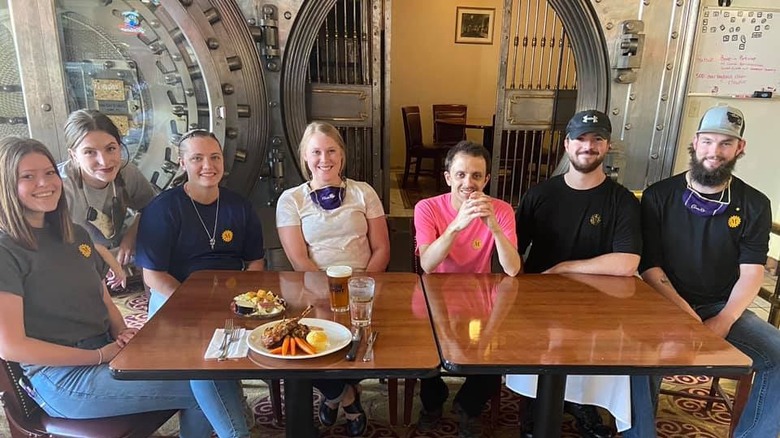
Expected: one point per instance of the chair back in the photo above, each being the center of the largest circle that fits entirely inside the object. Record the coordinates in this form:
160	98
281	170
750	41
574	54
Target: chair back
20	409
443	133
412	127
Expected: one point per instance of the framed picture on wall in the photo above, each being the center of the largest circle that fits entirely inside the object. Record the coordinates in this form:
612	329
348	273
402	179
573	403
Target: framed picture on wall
474	25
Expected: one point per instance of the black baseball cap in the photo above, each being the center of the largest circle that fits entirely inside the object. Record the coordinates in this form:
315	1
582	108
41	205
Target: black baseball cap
589	121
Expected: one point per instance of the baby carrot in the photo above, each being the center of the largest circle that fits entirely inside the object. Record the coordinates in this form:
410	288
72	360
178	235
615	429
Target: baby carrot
285	345
292	345
277	350
304	345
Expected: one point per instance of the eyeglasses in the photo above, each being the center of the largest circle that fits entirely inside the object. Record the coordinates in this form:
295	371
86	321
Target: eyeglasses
197	132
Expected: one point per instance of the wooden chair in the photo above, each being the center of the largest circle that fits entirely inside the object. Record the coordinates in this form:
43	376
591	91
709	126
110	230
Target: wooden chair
717	395
415	149
26	419
449	134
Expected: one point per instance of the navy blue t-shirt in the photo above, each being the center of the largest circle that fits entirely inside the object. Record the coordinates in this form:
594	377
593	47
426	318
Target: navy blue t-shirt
172	239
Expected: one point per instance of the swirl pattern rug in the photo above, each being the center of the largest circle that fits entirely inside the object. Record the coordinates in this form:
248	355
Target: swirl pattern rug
677	417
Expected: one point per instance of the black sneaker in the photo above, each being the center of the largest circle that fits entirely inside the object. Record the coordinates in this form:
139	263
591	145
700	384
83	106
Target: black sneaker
468	426
588	420
356	417
429	420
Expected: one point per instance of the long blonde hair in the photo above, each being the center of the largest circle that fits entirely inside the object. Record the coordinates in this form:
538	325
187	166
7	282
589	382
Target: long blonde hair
327	130
12	220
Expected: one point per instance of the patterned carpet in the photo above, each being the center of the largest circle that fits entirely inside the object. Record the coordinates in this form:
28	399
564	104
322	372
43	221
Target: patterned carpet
677	417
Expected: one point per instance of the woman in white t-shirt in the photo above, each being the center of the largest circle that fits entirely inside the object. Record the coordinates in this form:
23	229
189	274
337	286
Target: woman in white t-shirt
332	220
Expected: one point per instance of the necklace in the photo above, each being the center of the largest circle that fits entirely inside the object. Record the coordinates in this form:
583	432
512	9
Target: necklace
212	235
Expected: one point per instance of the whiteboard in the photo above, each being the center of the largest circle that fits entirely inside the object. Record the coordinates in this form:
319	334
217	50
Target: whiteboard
737	52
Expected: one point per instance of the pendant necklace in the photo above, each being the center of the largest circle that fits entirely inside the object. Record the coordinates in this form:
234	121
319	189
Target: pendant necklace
213	235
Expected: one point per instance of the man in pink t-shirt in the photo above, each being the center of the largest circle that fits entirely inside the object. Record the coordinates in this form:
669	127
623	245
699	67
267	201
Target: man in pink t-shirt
457	232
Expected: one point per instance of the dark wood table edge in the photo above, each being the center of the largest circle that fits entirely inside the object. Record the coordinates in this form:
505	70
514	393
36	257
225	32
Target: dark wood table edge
268	374
596	370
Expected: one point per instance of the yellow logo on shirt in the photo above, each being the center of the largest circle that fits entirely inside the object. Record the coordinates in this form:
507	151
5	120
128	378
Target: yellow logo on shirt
476	244
734	221
227	236
595	219
85	250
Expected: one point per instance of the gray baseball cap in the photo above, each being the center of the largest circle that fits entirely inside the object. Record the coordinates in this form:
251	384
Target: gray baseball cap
725	120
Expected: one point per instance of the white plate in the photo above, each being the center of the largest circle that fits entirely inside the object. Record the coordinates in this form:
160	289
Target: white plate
338	337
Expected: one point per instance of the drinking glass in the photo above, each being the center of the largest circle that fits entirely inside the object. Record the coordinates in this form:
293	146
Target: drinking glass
338	277
361	300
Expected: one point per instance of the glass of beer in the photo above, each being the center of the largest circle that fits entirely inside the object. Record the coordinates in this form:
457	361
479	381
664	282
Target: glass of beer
361	300
338	278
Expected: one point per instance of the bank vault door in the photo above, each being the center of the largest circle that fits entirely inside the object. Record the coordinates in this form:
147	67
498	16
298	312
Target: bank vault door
157	68
332	73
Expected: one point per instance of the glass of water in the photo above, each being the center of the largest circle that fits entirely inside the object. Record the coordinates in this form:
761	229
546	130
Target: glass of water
361	300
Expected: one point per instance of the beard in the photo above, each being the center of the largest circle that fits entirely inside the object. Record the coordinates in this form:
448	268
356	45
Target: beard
586	168
710	177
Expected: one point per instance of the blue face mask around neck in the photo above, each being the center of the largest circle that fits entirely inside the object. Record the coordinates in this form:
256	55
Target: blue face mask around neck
328	198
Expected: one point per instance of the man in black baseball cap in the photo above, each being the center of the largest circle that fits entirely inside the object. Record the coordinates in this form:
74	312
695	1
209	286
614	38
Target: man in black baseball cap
589	121
584	222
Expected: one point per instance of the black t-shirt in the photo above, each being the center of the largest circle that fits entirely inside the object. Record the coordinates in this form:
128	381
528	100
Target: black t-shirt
701	255
567	224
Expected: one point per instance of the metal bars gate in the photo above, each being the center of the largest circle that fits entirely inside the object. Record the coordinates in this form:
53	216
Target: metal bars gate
537	95
343	81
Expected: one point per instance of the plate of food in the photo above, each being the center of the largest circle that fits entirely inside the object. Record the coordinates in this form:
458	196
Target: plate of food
258	304
299	338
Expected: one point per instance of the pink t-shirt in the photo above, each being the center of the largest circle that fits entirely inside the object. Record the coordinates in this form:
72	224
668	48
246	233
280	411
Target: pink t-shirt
473	246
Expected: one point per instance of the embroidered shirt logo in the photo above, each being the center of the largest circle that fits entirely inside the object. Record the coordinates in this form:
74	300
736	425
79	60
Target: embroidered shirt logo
595	219
476	244
227	236
734	221
85	250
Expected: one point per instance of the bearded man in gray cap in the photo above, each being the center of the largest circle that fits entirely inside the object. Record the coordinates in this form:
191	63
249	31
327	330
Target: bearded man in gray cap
706	237
583	222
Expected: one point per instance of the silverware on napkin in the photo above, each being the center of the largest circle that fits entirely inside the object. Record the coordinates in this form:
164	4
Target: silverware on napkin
369	354
230	336
356	335
226	335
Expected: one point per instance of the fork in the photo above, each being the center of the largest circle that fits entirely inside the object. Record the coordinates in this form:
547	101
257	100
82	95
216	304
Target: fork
228	332
235	335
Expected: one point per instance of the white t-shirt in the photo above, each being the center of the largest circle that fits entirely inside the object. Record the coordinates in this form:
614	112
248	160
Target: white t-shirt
333	237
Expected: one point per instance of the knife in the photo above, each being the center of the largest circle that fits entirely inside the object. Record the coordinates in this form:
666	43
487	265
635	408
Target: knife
356	334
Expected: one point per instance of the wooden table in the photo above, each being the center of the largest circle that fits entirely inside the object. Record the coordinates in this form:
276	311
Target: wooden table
172	344
483	123
555	325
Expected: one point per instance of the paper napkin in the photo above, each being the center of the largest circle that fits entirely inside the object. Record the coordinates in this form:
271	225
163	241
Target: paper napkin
237	349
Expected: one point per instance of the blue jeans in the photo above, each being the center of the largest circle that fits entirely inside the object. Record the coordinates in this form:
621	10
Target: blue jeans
761	342
91	392
643	396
